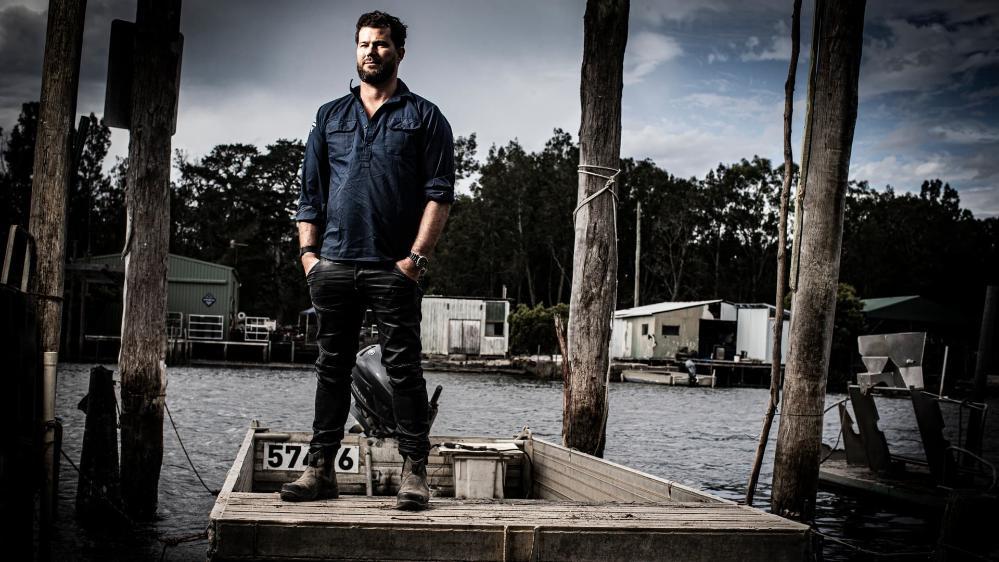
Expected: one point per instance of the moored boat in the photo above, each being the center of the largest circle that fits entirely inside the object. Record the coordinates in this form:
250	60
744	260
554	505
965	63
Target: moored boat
492	499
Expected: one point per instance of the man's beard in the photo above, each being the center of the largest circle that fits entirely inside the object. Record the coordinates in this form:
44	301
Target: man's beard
379	75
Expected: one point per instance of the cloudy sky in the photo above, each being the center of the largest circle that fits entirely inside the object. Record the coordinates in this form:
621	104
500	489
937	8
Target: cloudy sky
703	78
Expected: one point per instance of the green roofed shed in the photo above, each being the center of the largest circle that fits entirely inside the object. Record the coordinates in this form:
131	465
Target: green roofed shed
194	288
911	309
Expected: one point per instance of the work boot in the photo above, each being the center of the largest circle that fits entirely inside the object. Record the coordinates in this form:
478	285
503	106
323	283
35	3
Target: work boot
414	494
317	482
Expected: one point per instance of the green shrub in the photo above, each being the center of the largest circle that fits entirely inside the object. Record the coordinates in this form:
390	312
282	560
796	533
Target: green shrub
532	330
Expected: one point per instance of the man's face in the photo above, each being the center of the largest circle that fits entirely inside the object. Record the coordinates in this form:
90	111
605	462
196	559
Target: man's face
377	57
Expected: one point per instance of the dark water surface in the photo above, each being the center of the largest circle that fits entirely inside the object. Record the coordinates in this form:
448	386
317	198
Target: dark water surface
701	437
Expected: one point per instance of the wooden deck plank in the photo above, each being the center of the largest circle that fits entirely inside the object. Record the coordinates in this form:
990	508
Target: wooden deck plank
269	507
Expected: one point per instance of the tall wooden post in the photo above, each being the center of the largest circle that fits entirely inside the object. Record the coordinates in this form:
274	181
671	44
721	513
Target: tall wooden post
638	250
835	68
594	265
984	364
986	341
785	194
51	175
143	327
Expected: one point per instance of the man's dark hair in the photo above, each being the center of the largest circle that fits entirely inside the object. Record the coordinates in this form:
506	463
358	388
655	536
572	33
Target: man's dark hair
397	29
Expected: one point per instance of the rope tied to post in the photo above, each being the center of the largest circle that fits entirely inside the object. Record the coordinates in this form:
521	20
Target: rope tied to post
607	188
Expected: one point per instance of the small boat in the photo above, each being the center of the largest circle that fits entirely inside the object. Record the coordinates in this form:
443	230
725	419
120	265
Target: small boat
520	498
674	378
493	499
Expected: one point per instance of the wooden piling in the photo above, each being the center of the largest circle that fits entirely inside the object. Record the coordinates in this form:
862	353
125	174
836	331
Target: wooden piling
785	195
51	175
594	265
986	341
984	364
835	69
143	335
98	492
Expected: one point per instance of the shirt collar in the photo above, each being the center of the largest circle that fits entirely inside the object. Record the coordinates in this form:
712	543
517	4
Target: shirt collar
401	91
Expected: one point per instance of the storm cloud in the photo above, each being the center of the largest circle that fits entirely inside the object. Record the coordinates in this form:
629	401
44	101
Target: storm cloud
704	79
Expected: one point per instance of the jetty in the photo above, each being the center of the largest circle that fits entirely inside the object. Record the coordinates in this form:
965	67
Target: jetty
542	502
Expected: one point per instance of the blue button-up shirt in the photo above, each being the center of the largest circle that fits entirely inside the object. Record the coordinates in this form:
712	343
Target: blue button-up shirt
366	181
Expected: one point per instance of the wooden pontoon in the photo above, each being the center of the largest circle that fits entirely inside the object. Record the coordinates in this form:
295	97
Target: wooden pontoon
558	505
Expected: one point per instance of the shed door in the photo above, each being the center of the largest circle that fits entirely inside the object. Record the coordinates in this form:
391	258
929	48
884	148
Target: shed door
464	337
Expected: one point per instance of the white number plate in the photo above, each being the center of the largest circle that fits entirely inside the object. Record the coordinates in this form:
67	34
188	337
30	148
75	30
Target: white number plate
293	456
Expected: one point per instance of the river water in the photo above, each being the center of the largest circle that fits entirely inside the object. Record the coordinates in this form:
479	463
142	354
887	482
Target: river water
701	437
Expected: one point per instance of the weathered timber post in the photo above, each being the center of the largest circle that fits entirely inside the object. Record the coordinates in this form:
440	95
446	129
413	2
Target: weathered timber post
594	265
51	175
785	195
835	68
984	363
986	341
143	328
638	250
98	493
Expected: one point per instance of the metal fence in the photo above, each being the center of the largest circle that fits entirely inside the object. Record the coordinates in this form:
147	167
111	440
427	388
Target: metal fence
204	327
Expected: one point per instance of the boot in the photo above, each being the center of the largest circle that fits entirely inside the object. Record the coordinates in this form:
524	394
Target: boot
414	494
317	482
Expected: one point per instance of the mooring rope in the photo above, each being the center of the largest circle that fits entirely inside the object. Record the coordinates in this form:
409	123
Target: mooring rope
174	541
164	540
183	448
872	553
608	187
101	493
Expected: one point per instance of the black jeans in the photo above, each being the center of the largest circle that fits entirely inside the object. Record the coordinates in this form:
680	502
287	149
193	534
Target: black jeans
340	293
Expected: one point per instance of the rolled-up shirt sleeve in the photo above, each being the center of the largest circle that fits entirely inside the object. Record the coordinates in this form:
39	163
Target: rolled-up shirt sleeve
438	160
315	176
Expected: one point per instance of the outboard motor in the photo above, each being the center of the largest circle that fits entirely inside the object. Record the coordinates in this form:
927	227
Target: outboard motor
372	390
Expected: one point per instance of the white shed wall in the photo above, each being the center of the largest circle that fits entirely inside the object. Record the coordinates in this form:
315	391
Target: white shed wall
751	332
620	345
754	334
438	313
729	312
783	340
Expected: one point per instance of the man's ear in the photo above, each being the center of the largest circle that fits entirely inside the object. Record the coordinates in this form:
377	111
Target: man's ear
402	53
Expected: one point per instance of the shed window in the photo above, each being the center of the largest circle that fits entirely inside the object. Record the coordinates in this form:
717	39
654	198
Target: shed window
495	318
645	329
495	311
671	330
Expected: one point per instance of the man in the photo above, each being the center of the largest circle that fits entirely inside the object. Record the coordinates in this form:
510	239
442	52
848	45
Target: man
377	184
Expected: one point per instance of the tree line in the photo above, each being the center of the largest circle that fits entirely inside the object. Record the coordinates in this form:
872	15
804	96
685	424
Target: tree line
510	231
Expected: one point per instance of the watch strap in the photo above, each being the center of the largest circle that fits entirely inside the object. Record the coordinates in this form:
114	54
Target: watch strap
421	261
308	250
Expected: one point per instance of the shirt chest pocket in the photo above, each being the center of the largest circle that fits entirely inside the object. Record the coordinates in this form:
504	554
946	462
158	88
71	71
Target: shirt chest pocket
402	136
340	136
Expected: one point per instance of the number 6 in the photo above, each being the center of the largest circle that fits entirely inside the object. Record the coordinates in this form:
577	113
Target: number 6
345	462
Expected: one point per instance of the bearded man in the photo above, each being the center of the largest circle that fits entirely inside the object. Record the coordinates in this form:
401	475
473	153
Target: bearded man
377	184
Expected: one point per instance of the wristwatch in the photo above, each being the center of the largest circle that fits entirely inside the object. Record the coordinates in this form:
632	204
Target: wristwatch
422	262
308	250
